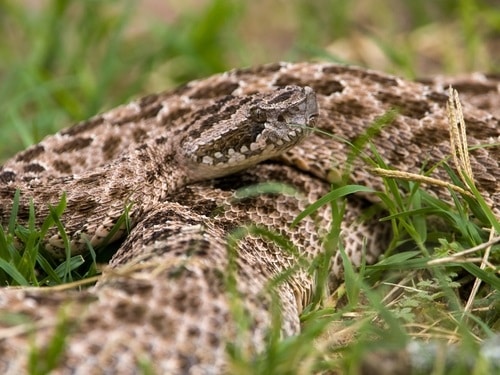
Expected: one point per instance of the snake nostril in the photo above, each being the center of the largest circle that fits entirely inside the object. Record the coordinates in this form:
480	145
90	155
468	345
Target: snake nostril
281	118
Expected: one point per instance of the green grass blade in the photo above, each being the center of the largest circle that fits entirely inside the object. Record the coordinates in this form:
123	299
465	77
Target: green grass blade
14	273
331	196
14	211
265	188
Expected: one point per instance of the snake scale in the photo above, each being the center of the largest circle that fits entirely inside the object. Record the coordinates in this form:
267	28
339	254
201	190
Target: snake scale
174	161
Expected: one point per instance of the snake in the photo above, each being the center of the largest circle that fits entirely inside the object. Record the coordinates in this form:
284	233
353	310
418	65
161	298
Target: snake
178	166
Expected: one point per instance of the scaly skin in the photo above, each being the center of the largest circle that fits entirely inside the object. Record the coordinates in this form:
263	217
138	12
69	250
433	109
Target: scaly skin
167	296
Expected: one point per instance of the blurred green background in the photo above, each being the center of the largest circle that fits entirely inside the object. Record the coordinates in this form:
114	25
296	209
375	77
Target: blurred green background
62	61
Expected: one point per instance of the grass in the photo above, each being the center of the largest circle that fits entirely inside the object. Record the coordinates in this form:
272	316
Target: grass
410	298
69	60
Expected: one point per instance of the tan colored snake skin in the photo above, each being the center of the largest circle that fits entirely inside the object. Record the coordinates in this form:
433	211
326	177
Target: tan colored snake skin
166	298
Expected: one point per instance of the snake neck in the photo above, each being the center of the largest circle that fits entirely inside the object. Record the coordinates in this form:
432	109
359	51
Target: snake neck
156	173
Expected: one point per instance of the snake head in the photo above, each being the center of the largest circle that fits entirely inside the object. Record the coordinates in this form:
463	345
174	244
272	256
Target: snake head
245	130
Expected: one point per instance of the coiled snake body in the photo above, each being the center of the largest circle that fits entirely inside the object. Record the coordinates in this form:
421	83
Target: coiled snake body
167	298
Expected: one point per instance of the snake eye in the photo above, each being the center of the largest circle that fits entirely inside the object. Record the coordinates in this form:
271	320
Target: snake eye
258	115
294	109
